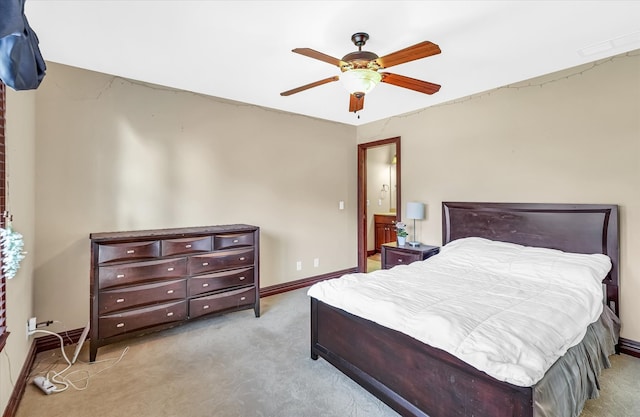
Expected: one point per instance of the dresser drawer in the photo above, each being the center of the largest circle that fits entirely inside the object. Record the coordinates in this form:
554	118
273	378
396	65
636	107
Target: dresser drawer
221	301
220	260
131	251
228	241
219	280
140	295
128	321
186	245
126	274
395	257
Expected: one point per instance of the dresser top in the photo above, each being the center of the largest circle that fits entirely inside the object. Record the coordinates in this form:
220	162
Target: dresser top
171	232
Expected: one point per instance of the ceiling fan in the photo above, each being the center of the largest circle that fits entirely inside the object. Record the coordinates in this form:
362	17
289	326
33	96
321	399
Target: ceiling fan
360	70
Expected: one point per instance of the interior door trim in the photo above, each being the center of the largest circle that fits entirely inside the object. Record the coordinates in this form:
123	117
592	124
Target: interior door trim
362	194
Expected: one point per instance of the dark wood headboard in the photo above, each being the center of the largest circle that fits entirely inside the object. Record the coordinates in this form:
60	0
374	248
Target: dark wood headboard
579	228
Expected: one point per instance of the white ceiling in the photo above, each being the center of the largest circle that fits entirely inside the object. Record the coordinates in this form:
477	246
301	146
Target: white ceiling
241	50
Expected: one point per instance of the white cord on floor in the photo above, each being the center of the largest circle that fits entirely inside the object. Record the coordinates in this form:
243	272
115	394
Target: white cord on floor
53	376
88	375
61	382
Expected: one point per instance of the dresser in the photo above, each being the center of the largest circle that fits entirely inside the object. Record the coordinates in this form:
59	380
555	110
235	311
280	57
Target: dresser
393	255
148	280
385	229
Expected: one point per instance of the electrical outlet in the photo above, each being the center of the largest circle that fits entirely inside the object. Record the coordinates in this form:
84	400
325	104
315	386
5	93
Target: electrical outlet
31	326
299	266
316	262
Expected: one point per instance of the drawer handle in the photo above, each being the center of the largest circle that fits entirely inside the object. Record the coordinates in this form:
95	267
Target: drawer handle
205	307
235	241
187	246
243	298
170	269
170	292
169	314
205	285
242	258
120	300
120	325
120	276
205	263
241	278
130	251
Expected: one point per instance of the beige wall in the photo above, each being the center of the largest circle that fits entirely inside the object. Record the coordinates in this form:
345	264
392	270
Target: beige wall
570	137
20	145
117	155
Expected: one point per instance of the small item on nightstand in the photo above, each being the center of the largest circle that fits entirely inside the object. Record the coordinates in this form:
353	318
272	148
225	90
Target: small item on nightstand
401	233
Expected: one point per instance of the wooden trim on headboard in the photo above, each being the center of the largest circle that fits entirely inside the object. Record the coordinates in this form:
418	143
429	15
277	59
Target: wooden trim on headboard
579	228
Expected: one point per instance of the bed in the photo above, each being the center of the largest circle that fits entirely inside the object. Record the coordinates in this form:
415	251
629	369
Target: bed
416	379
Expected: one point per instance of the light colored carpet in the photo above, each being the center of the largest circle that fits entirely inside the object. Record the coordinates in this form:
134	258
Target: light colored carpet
237	365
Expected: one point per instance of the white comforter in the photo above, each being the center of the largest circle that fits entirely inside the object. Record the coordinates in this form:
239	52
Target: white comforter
508	310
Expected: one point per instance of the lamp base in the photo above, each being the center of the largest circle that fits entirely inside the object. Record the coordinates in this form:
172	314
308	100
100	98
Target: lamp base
414	244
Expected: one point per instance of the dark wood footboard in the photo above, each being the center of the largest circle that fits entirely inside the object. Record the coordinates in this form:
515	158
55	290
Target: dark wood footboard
412	378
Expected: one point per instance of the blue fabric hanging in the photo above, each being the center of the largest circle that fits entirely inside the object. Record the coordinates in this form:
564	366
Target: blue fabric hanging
21	64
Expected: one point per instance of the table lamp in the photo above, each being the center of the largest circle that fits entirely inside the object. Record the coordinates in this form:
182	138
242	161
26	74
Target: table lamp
415	211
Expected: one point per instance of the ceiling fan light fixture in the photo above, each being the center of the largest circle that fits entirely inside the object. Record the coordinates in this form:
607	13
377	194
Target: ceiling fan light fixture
360	70
360	81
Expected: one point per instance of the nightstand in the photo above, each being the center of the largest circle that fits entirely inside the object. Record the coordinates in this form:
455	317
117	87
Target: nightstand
393	255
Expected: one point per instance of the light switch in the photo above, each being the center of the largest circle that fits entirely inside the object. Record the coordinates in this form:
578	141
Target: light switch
341	205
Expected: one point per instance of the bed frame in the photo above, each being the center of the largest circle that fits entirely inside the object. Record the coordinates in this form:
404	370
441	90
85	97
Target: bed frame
416	379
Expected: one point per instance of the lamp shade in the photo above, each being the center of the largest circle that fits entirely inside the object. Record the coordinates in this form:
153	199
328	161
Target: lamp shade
360	80
415	210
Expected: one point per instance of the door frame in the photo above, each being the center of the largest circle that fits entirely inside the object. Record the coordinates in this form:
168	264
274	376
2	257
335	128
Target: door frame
362	194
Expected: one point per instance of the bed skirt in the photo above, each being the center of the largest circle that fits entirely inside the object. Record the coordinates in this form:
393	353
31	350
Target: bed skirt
581	365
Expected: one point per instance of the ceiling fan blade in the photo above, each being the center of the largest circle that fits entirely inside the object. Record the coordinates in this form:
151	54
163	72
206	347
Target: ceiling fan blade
410	83
356	103
311	85
418	51
311	53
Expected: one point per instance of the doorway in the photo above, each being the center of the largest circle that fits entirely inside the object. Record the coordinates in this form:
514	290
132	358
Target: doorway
392	192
